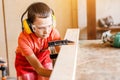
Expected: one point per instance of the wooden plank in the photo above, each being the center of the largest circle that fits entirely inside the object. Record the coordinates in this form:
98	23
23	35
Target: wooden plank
65	66
91	19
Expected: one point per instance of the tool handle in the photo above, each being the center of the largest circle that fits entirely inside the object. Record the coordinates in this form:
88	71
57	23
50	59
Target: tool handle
53	56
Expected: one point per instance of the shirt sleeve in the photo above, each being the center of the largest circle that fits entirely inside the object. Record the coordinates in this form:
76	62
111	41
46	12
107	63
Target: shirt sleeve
24	45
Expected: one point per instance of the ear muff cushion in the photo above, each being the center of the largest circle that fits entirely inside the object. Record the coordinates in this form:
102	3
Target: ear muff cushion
54	21
26	26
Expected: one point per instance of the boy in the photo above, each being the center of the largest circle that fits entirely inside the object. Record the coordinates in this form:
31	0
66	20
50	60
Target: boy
32	55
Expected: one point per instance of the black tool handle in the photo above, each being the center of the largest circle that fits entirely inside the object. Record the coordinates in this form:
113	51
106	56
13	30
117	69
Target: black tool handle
53	56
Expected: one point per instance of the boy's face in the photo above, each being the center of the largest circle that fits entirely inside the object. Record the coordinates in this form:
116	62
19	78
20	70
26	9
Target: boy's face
42	26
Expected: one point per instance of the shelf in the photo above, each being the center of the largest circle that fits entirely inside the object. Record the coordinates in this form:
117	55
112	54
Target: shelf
113	28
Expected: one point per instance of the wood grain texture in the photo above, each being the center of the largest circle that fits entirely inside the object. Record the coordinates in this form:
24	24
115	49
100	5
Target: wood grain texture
65	66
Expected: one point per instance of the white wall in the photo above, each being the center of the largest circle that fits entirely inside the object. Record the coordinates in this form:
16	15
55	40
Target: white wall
108	8
82	18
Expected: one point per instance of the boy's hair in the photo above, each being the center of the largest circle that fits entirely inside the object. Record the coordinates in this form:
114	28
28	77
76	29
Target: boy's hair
39	9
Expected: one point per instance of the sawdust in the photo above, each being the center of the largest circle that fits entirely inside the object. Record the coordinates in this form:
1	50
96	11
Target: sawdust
97	61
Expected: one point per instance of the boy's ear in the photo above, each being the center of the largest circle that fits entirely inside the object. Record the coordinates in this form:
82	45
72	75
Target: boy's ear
27	26
33	28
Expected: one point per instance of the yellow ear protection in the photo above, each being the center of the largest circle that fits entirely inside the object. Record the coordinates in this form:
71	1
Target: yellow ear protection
27	25
54	21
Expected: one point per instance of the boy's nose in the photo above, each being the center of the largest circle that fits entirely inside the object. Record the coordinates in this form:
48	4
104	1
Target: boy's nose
45	31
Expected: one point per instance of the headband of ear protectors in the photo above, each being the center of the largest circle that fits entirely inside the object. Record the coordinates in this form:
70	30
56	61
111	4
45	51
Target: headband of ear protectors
27	25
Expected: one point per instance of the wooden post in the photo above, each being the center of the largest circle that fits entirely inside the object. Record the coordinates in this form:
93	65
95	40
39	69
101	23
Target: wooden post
91	19
5	30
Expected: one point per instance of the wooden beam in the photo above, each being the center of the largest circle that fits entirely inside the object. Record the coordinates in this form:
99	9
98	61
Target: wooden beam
65	66
5	32
91	19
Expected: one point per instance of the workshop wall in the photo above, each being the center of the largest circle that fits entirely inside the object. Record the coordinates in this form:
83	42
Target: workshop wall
2	35
65	12
103	8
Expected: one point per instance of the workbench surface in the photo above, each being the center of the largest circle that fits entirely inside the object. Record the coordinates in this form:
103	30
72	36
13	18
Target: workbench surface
97	61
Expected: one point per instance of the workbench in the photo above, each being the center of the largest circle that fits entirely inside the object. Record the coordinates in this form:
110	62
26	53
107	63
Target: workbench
97	61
